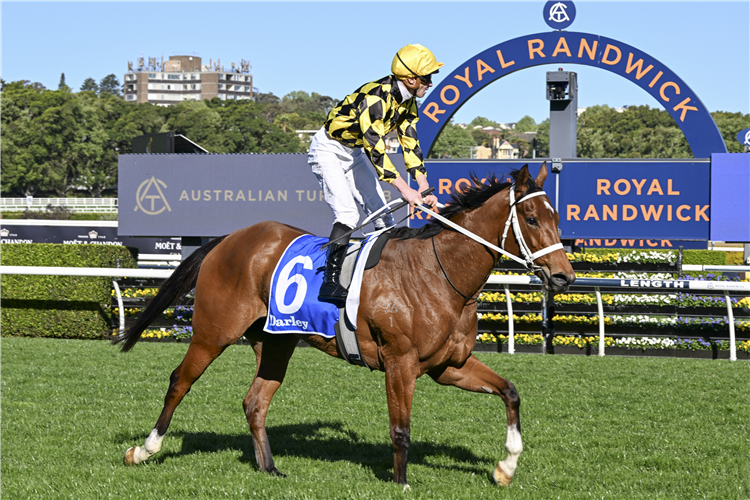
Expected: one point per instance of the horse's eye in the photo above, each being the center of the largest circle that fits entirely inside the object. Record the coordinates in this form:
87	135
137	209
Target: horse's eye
531	221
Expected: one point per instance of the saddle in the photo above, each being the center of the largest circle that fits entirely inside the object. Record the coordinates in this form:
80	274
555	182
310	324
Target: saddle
346	332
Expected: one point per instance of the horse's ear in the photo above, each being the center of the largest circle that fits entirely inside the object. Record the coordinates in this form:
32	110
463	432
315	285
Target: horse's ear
542	176
522	179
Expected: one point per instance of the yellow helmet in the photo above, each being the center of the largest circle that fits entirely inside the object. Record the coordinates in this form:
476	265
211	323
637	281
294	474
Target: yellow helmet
414	61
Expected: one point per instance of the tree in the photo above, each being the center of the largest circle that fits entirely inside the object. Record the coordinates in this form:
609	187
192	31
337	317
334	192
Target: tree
90	85
483	122
453	142
525	124
729	125
481	138
110	85
62	85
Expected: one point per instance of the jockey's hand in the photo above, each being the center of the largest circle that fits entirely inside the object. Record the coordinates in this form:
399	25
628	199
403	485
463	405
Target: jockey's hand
431	201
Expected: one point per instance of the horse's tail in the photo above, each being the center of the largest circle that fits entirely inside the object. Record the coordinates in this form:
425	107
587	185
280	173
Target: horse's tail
183	280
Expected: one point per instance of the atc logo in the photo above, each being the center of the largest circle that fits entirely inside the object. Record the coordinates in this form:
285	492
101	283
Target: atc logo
559	14
150	197
743	136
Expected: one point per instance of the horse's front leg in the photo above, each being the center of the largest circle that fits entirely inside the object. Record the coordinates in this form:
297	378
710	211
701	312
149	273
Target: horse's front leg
400	380
477	377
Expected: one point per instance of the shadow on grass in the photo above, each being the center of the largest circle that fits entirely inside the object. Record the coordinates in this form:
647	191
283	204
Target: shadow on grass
327	441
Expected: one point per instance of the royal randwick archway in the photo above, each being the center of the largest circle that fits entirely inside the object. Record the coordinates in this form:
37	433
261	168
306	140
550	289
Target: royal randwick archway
565	48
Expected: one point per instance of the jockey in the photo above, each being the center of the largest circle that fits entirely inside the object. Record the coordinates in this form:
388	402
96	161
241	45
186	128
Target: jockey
361	122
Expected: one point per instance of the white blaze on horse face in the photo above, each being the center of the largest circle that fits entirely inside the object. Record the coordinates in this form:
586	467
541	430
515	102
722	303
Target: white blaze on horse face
514	447
549	207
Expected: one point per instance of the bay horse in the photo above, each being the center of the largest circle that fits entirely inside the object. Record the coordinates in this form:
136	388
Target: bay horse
415	315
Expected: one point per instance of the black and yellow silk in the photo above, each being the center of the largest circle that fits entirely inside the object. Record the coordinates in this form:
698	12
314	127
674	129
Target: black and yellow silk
364	118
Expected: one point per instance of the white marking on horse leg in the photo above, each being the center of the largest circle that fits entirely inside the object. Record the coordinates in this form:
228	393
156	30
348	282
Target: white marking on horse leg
514	447
152	446
487	389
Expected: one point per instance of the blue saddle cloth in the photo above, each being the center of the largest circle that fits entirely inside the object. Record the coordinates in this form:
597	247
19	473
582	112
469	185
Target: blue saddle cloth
294	306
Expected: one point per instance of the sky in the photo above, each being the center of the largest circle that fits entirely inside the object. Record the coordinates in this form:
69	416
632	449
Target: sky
334	47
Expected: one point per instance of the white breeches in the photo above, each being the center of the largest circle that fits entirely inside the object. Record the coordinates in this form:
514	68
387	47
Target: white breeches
347	180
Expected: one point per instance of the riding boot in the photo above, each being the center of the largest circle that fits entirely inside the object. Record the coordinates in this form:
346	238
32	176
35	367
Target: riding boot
331	290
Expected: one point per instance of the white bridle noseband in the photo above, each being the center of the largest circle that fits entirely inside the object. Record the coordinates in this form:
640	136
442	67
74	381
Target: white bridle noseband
528	257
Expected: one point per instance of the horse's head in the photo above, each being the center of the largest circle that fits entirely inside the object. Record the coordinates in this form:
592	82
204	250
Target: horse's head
538	223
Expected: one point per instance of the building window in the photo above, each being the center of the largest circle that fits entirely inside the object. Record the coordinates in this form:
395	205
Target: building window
192	77
247	89
131	97
162	86
184	87
247	78
221	86
173	77
169	87
221	76
152	75
192	86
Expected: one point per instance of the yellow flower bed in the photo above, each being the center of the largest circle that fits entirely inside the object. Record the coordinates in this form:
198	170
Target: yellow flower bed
137	292
520	339
581	341
588	257
519	318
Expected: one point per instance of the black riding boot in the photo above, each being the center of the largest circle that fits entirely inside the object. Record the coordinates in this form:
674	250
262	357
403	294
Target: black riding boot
331	290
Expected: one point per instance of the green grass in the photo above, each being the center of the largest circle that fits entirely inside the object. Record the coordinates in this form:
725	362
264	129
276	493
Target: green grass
592	427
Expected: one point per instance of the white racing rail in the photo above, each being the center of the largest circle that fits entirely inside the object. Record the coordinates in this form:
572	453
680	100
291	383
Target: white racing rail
641	284
506	281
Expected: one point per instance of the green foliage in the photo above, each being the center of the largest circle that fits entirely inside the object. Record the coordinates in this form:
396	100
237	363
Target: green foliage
89	84
481	138
525	124
704	257
59	306
729	125
453	142
639	132
110	85
53	141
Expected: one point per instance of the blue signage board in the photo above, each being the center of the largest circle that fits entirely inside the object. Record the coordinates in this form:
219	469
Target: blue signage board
614	199
730	197
635	199
446	175
743	136
559	14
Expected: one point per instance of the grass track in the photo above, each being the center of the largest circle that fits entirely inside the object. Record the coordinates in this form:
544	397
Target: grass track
592	428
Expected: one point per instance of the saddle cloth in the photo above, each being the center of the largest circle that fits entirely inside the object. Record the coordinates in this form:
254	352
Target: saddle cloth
293	306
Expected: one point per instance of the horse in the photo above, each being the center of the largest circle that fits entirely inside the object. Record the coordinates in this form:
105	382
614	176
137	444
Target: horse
417	314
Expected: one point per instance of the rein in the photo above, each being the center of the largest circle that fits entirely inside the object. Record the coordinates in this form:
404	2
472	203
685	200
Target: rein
528	258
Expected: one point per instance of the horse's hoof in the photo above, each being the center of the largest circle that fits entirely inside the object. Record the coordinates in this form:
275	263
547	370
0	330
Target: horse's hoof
129	459
501	478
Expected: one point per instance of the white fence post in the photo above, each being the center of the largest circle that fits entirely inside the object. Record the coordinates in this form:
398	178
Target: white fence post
511	343
600	308
730	320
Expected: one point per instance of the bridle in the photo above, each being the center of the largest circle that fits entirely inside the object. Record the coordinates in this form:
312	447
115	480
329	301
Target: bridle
527	259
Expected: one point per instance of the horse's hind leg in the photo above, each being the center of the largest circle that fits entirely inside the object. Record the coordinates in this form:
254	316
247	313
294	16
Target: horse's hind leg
272	355
197	359
477	377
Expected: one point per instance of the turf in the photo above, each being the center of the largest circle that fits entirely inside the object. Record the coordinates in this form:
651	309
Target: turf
592	428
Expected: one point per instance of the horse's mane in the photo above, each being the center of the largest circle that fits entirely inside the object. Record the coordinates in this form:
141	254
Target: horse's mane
461	201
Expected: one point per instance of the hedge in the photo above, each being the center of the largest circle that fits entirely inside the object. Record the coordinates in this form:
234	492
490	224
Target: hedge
59	306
